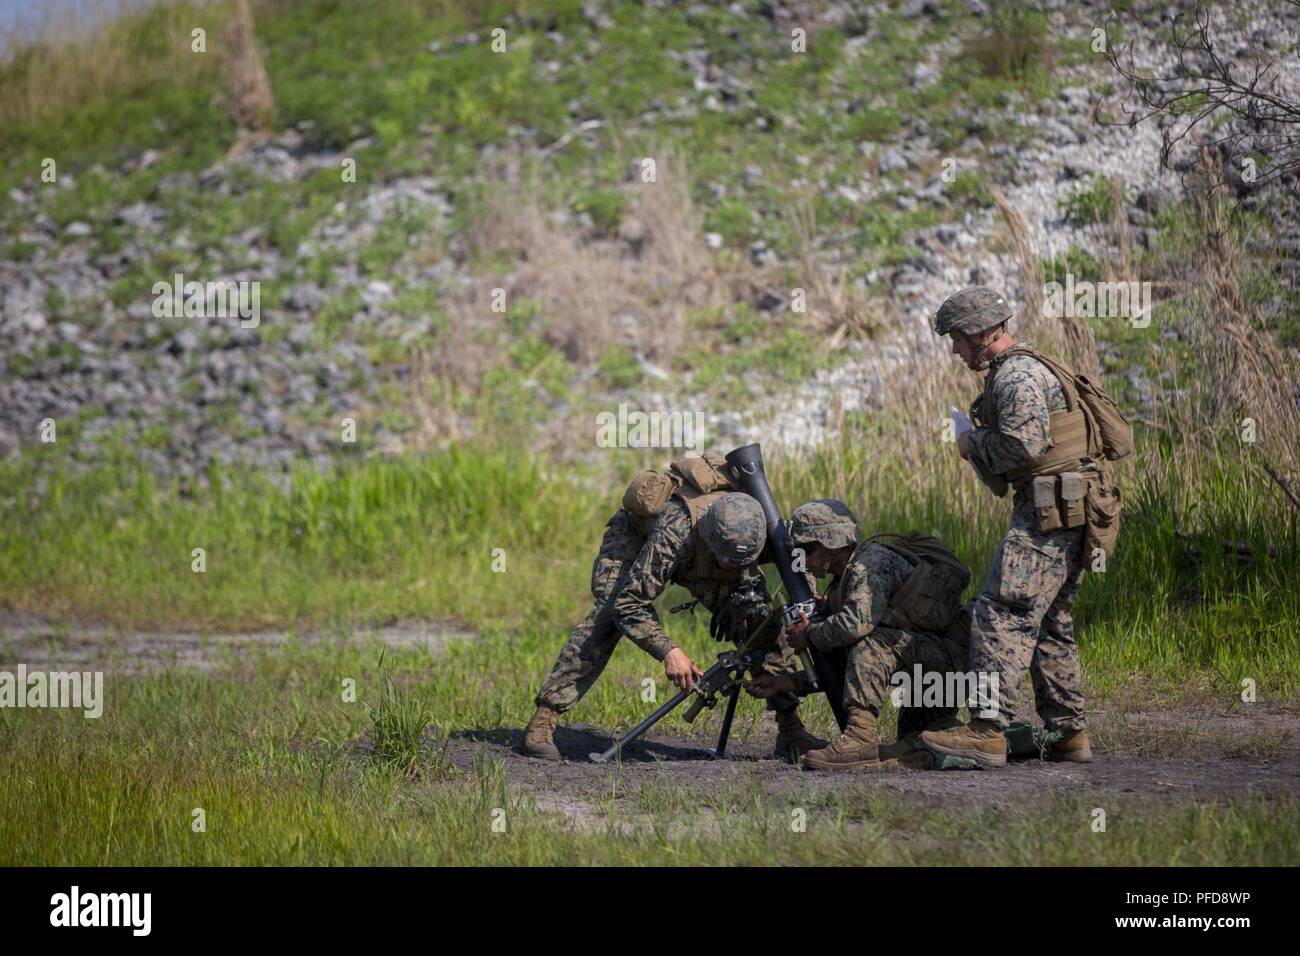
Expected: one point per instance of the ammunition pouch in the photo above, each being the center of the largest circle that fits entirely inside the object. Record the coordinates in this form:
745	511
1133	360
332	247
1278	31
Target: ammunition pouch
705	472
688	476
1047	513
1102	504
1072	487
1058	501
648	493
1088	500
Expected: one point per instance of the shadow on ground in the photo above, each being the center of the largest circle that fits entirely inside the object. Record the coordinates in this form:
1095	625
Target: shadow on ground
576	744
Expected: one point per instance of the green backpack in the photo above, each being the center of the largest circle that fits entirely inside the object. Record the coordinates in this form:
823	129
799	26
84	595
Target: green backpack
931	597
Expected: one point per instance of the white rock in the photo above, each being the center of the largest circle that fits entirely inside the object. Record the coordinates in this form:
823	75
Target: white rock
376	291
893	161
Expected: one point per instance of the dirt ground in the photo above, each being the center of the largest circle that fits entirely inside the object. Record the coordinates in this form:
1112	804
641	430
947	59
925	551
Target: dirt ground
1205	769
1189	752
38	642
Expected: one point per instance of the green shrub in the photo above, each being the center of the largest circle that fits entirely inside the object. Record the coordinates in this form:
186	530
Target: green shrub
1014	44
969	186
1091	201
605	207
619	368
875	124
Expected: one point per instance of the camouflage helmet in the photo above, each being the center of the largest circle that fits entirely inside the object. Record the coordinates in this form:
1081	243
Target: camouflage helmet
971	311
826	522
734	529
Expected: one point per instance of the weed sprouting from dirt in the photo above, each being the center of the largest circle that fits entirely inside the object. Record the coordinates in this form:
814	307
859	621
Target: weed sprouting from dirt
398	722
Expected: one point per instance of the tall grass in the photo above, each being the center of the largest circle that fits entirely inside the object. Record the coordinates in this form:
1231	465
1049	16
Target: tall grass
397	725
408	537
416	538
128	48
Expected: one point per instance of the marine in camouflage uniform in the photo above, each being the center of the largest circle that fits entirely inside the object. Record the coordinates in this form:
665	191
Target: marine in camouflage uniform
1022	618
592	641
855	618
713	555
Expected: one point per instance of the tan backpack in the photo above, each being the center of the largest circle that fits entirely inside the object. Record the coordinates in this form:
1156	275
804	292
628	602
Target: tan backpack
931	597
1110	430
687	477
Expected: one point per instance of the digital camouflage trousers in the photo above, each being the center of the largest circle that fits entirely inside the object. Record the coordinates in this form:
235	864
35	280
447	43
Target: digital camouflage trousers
1022	621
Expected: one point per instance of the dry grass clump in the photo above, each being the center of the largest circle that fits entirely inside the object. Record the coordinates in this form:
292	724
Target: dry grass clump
1067	336
591	293
1248	378
243	76
839	309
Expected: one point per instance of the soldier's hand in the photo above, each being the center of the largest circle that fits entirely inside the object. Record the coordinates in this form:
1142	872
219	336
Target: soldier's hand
764	686
964	446
796	634
681	672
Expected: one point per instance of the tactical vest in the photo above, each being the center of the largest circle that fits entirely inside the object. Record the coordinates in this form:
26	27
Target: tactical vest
1070	431
1091	427
931	596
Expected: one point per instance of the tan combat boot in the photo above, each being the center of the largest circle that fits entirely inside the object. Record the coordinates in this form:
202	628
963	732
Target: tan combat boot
855	749
1072	748
539	735
977	744
792	739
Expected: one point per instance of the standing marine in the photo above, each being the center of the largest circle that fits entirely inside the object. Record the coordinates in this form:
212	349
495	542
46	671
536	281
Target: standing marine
1045	432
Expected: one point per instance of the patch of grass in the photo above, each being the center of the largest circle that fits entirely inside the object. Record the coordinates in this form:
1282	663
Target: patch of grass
754	341
397	725
618	368
969	186
22	251
543	364
605	207
1092	200
733	219
875	125
1078	262
1014	43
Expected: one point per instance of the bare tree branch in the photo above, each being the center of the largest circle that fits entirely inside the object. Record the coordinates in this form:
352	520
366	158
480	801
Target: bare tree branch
1207	100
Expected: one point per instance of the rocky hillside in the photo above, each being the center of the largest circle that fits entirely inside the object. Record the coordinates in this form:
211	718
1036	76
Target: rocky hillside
862	170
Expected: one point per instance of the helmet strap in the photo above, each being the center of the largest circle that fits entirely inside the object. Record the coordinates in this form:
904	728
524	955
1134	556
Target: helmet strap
982	359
